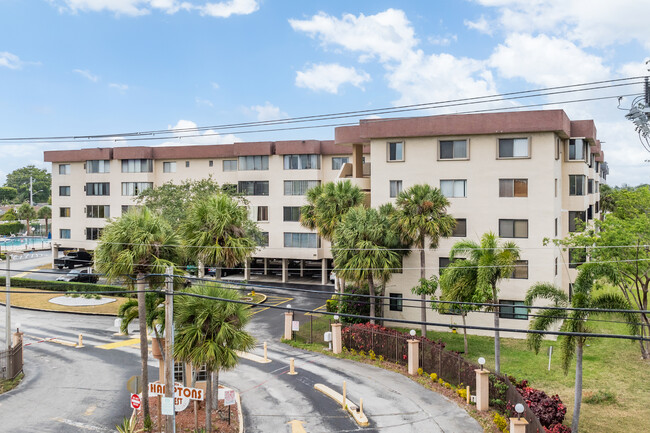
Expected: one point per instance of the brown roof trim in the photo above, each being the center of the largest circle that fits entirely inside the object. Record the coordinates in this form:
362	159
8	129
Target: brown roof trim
77	155
583	128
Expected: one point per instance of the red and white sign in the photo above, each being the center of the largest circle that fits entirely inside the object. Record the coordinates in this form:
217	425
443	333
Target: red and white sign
229	397
135	401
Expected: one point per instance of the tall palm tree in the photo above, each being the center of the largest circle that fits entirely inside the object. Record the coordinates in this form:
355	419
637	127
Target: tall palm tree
421	217
575	321
493	262
26	212
45	213
155	311
326	206
209	332
364	249
137	248
217	231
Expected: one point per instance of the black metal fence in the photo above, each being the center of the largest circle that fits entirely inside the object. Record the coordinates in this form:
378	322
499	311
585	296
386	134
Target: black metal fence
434	358
11	362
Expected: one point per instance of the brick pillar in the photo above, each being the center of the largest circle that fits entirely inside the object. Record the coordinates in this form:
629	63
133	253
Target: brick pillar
482	389
337	341
17	339
288	318
413	357
518	425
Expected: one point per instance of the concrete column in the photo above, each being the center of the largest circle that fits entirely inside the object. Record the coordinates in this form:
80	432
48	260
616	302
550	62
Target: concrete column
482	389
247	270
200	272
266	266
337	341
285	270
288	318
302	268
323	272
518	425
55	253
17	338
413	357
357	160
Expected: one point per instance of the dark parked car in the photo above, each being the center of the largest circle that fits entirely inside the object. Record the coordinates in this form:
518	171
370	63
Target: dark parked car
78	276
74	259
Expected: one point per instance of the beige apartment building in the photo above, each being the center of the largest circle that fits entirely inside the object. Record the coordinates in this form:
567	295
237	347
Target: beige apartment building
523	175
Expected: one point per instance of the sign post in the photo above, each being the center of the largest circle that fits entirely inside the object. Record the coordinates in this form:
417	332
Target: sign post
170	424
229	400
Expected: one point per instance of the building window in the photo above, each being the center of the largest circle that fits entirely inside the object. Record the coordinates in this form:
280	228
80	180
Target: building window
513	148
396	151
577	149
573	216
169	167
556	267
126	208
396	303
460	231
64	233
513	310
557	148
520	271
229	165
210	163
299	187
555	187
262	213
454	188
93	233
100	188
64	168
338	161
201	374
64	191
179	372
452	149
301	162
258	162
556	227
596	207
98	166
395	187
98	211
576	184
443	262
137	166
577	256
513	187
135	188
301	240
590	186
291	213
253	187
263	239
229	188
513	228
64	212
187	164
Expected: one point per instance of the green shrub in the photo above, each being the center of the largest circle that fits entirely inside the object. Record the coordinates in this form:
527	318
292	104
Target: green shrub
356	305
61	286
332	305
501	422
11	228
600	397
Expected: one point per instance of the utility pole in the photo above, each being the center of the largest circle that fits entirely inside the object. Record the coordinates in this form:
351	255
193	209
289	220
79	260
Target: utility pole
8	301
170	420
31	192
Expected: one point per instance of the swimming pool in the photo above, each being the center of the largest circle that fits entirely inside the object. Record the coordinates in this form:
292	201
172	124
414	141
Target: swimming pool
24	241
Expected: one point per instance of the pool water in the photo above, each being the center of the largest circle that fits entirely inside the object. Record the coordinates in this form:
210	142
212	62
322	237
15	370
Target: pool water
22	241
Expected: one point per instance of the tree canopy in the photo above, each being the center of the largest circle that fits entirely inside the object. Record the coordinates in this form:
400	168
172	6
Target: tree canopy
7	194
41	184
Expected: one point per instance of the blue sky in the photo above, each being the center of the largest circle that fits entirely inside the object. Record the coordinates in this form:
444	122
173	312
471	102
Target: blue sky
80	67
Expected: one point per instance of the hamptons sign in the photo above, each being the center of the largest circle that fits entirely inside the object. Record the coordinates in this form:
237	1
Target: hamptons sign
180	391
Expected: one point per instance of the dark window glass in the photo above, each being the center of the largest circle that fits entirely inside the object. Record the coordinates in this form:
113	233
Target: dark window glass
513	310
396	302
249	187
292	213
520	270
573	216
577	256
513	228
460	231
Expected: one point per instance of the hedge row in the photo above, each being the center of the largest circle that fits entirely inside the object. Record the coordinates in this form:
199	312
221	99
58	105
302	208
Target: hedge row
12	227
61	286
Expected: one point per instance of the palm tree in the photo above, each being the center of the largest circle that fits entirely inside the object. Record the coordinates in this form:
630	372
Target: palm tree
575	321
26	212
210	332
327	205
138	247
217	231
493	262
364	249
155	311
421	217
45	213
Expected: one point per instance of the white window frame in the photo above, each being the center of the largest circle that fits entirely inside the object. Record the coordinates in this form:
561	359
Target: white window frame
455	185
396	159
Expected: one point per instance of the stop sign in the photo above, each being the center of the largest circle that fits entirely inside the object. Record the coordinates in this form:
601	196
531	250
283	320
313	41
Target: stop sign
135	401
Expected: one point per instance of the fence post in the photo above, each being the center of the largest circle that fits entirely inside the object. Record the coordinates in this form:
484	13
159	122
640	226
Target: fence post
413	358
439	360
459	378
336	338
482	389
288	317
518	425
396	358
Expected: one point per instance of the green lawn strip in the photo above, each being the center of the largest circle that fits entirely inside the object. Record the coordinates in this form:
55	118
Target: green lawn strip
609	365
8	385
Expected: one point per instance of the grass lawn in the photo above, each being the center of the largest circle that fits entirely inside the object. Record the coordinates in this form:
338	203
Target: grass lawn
613	366
39	299
8	385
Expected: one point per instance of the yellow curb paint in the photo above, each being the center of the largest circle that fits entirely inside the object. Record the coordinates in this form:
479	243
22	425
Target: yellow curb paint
273	301
90	410
359	417
321	308
117	344
252	357
296	426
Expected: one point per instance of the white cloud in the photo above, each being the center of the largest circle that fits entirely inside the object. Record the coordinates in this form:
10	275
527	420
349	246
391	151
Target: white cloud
442	40
201	101
143	7
10	61
214	85
87	74
228	8
119	87
268	111
555	61
482	25
386	35
329	77
589	22
188	129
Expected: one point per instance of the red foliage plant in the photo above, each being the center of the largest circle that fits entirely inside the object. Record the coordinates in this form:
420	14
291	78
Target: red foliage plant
549	409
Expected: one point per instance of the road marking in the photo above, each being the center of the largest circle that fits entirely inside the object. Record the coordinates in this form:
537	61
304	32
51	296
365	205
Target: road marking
50	340
109	346
296	426
90	410
24	274
321	308
274	301
82	425
252	357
